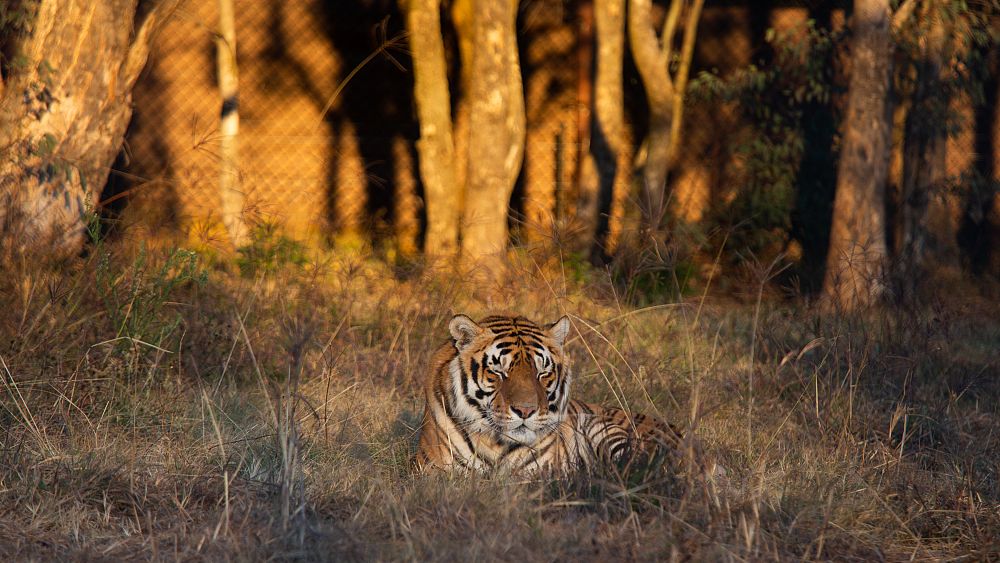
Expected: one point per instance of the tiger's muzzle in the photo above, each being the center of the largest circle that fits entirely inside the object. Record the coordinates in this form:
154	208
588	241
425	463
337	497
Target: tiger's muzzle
520	398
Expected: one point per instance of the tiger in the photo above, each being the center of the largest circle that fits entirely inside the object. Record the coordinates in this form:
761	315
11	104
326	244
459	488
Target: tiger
498	400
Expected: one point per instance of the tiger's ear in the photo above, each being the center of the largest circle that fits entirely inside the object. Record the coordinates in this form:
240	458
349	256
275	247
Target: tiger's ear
464	330
559	330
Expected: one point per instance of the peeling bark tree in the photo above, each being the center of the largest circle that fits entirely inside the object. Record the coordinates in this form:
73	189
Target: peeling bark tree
496	129
665	93
63	116
436	146
229	127
857	256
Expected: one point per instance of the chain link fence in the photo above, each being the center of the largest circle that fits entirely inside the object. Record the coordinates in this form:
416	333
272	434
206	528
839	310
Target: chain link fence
327	127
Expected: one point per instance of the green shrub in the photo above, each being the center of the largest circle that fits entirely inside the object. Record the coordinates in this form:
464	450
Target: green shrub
139	299
775	99
269	251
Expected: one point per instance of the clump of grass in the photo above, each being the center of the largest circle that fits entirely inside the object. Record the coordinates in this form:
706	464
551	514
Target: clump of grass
138	298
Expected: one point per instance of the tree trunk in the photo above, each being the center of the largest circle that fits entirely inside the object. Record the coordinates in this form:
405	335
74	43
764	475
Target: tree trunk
857	256
583	203
927	229
984	208
607	131
653	62
229	127
406	206
436	146
461	17
63	116
665	94
982	222
496	129
350	198
548	93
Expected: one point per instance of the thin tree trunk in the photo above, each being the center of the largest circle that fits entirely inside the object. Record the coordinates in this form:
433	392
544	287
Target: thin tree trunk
857	257
924	167
607	131
229	127
436	146
496	129
665	94
653	62
461	17
406	205
547	89
64	114
982	217
350	200
583	204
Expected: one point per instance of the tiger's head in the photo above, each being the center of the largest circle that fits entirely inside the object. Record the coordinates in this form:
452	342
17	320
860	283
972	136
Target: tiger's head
510	378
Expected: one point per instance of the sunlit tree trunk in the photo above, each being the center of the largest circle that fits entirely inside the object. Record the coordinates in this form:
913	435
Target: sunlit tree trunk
351	196
496	129
436	146
405	201
857	257
63	114
229	127
607	130
665	93
461	17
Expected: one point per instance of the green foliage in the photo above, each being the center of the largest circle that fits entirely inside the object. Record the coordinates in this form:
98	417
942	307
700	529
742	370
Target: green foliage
40	159
775	99
270	251
46	146
139	299
658	285
577	267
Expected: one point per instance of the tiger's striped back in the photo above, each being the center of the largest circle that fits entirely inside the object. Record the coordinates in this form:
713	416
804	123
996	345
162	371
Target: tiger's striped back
498	400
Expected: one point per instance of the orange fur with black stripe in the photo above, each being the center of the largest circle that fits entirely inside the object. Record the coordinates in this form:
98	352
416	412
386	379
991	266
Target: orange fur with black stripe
498	399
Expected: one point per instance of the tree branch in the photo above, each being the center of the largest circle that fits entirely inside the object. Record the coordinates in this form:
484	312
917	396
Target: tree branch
138	52
670	28
683	70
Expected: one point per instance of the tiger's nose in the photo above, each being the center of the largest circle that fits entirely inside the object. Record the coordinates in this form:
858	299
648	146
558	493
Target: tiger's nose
523	411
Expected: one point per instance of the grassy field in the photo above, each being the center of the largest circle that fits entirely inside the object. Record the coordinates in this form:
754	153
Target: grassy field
161	404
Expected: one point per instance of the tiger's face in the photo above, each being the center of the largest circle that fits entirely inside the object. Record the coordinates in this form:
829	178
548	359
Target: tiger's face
510	378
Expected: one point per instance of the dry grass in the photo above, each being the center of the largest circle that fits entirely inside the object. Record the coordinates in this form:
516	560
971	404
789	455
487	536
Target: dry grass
158	409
